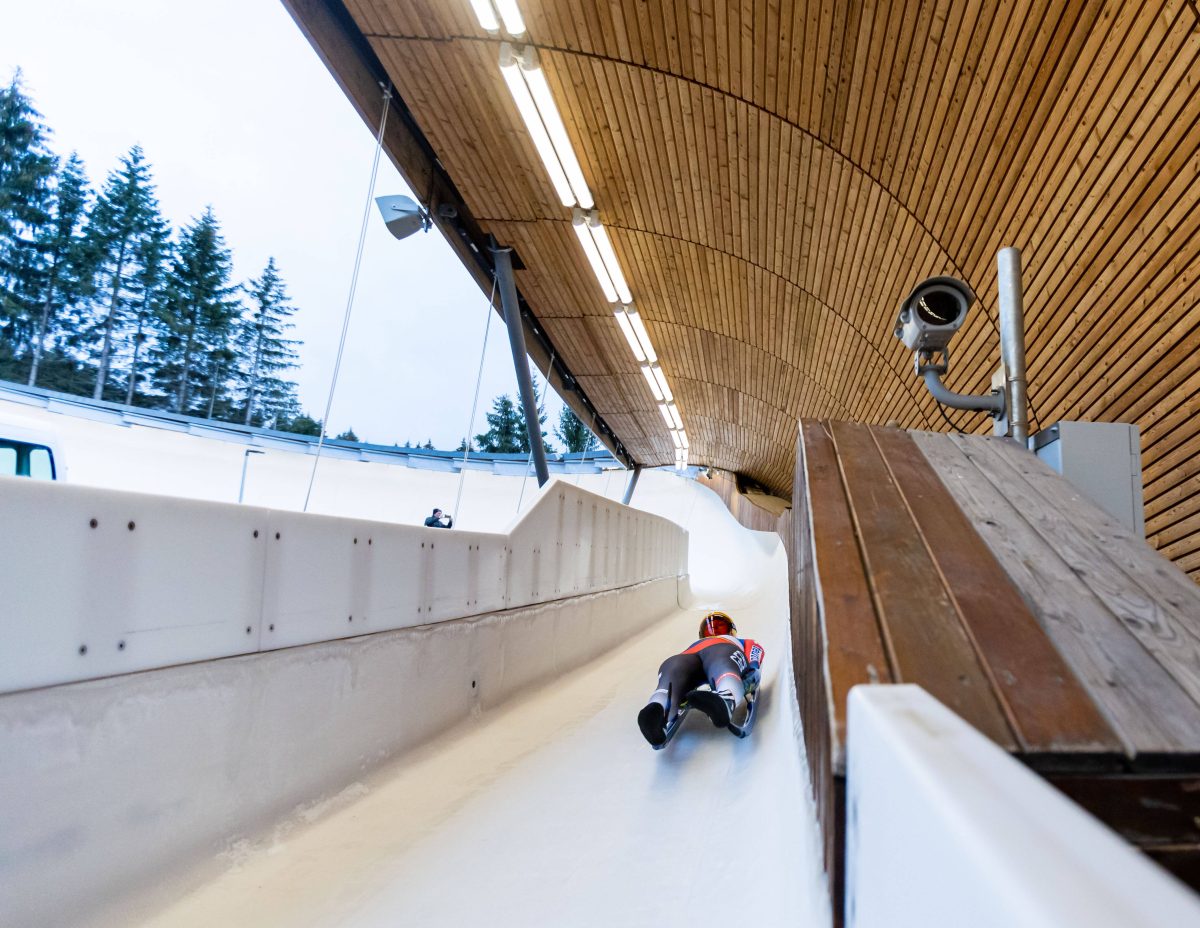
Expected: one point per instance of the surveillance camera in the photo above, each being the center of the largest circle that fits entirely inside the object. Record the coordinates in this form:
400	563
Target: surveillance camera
932	313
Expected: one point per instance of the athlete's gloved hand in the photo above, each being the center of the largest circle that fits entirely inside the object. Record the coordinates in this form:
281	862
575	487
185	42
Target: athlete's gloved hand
751	678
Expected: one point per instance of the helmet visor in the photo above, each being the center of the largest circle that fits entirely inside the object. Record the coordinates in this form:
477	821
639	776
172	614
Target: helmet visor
716	624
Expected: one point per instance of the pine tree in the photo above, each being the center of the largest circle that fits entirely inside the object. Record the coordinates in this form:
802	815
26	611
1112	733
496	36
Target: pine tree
538	391
27	170
347	435
506	429
264	348
575	436
64	258
124	215
154	252
198	315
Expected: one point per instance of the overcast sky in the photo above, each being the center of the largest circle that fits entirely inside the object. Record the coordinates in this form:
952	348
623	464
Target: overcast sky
234	109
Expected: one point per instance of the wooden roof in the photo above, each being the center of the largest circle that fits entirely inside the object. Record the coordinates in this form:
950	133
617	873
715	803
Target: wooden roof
775	176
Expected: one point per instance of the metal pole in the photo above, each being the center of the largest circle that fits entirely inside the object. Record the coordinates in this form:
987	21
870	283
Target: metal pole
1012	341
633	479
245	461
516	339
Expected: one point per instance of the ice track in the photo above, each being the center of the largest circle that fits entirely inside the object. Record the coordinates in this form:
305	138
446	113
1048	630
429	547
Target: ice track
552	810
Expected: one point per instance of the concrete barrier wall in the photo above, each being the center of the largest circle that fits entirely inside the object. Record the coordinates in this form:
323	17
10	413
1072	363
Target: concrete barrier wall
100	582
345	644
943	828
120	793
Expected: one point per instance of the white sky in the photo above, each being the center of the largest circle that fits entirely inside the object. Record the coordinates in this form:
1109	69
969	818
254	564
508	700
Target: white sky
234	109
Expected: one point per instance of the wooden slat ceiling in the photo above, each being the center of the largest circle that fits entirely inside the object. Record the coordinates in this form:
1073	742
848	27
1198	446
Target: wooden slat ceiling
775	176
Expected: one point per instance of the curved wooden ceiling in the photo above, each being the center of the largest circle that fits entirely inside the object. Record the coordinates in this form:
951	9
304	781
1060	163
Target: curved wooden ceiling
775	176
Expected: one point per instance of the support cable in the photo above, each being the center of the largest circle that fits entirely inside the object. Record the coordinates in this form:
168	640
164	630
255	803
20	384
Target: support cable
462	474
362	239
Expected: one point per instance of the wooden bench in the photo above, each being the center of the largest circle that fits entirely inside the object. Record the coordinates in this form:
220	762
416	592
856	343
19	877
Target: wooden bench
965	565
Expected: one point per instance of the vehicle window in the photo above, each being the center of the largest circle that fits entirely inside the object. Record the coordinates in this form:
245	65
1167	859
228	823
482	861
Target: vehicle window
8	461
41	463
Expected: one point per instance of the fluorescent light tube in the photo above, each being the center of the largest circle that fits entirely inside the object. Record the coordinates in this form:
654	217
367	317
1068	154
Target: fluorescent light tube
627	331
535	77
683	438
678	443
648	373
673	412
533	122
610	261
639	329
663	386
666	414
589	248
514	24
486	15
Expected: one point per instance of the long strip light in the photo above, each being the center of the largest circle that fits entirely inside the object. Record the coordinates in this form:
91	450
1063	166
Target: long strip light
626	328
514	24
596	245
652	381
527	83
490	14
486	14
580	225
600	234
530	90
511	69
535	78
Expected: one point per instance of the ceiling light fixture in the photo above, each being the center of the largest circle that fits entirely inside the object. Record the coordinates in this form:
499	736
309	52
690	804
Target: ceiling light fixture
627	330
673	412
514	23
527	84
580	224
643	337
663	386
610	258
666	414
511	69
675	439
648	373
486	15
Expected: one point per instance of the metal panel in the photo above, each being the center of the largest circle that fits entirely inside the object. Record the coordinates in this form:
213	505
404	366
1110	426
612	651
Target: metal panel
99	582
160	580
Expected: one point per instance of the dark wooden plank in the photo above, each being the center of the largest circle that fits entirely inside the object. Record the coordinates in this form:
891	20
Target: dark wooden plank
1046	705
808	656
1149	712
926	638
1148	811
856	652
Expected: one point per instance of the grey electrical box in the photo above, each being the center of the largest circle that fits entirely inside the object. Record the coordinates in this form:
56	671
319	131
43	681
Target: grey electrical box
1103	460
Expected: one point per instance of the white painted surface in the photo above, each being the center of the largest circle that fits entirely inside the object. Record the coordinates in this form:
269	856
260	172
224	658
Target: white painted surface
110	787
164	580
554	811
248	791
946	829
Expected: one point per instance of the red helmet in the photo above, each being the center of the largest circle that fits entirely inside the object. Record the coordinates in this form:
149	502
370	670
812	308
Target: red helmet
717	623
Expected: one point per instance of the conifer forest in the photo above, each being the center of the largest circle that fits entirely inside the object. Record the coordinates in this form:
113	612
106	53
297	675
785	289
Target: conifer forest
101	297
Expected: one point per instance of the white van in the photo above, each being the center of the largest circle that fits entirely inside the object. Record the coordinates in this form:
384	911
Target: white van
28	451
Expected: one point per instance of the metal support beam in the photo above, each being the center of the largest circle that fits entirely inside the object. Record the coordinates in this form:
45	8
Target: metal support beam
1012	341
633	479
502	258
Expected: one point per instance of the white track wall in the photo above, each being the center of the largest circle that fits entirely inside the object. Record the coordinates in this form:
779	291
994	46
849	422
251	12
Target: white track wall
102	582
109	787
944	828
